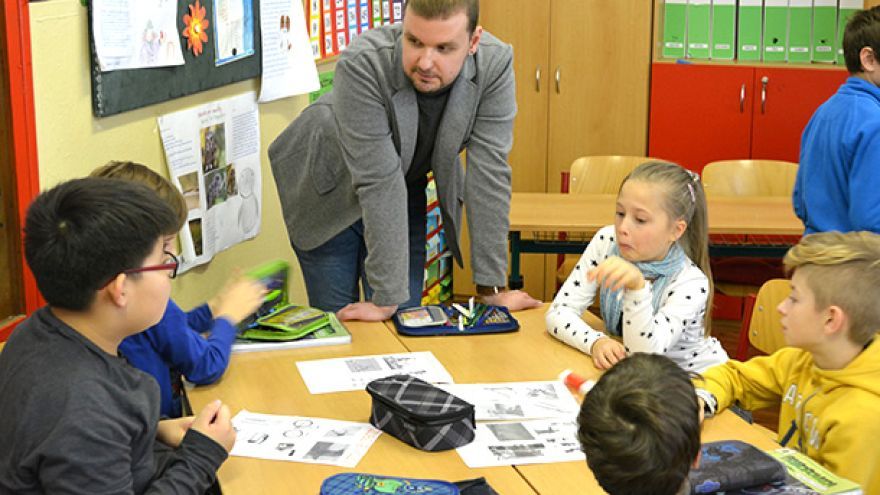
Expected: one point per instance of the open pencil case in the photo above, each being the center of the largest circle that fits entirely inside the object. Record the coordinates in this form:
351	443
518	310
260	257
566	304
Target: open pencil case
444	320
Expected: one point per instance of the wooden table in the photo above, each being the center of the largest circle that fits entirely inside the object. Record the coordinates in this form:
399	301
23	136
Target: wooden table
268	382
587	213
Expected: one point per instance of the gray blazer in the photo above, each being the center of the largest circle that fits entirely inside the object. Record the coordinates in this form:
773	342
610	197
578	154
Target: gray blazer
345	156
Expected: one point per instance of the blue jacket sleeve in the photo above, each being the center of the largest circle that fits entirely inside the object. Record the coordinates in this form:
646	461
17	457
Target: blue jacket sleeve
200	319
864	181
201	360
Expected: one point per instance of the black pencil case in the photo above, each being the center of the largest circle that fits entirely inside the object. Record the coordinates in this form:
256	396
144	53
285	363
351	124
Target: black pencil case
495	319
420	414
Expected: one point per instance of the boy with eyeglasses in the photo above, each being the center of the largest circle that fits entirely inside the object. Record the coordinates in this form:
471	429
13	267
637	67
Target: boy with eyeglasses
174	346
77	417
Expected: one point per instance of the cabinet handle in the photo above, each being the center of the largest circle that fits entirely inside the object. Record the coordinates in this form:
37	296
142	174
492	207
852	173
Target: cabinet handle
742	98
538	79
764	81
557	80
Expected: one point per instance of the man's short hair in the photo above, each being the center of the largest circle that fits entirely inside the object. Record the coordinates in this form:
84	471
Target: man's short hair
443	9
82	233
137	172
862	30
842	270
639	426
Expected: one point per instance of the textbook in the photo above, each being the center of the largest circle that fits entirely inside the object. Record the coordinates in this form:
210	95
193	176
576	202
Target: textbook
333	333
813	475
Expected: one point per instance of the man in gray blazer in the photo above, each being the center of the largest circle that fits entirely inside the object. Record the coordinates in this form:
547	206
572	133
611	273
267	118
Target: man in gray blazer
350	170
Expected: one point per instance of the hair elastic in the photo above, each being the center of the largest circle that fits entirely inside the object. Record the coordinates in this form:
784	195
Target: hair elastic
691	190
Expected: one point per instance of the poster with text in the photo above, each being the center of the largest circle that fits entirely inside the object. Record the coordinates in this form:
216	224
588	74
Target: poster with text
213	156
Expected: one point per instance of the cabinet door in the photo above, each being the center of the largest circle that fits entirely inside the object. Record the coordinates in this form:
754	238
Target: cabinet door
700	113
525	25
601	51
785	99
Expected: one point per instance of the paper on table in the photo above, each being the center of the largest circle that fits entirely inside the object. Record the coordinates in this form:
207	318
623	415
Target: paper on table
132	34
353	373
517	400
525	442
288	63
302	439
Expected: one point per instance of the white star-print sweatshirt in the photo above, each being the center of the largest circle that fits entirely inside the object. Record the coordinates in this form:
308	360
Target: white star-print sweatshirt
676	329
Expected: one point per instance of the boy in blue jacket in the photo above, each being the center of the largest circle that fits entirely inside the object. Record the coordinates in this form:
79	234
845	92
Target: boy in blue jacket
838	178
174	346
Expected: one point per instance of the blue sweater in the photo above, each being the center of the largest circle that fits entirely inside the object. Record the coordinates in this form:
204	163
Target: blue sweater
174	345
839	175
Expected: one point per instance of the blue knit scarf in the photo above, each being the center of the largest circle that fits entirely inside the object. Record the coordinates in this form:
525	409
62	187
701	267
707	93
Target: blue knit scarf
658	271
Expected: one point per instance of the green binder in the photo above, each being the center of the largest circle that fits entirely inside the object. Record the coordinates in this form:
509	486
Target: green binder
775	30
674	28
699	14
749	31
824	31
722	46
800	27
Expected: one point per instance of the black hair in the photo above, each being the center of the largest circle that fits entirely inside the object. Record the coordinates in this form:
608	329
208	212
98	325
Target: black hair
862	30
80	234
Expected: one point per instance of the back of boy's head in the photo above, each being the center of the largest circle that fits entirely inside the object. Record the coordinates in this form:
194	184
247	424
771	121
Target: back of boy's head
136	172
639	426
82	233
842	270
863	29
683	198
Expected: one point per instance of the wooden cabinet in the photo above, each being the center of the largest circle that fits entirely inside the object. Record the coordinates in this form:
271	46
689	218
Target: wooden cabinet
582	71
702	113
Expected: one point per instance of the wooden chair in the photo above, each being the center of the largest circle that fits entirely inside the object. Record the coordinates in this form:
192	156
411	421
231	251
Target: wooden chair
749	178
762	325
595	175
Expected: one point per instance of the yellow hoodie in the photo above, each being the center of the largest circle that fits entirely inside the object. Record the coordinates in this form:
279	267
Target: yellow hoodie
833	416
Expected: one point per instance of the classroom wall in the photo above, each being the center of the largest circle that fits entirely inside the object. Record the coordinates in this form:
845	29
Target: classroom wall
71	141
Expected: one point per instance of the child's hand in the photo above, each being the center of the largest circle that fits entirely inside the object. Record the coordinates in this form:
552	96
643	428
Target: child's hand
214	422
239	298
607	352
171	431
616	273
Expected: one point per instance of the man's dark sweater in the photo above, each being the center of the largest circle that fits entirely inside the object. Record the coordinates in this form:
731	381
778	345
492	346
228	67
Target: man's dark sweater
74	419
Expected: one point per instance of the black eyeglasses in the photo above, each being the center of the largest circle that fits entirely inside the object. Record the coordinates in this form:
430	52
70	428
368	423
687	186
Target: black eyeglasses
171	266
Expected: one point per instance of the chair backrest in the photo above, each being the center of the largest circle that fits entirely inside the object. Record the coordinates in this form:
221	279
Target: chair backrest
749	178
601	174
765	326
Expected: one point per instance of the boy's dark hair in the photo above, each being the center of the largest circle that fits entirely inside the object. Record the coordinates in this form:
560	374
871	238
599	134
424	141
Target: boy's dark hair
639	426
82	233
443	9
862	30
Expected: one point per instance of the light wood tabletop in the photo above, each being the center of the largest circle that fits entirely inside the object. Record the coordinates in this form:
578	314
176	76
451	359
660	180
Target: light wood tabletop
269	382
533	354
553	212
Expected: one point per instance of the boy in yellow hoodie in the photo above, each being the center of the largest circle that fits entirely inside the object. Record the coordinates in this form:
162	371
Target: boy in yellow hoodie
828	378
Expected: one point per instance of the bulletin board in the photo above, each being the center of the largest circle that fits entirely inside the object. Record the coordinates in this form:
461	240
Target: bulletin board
121	90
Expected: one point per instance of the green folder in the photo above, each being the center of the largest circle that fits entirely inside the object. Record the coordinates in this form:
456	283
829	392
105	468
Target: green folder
722	46
824	30
847	9
775	30
749	32
674	28
699	23
800	27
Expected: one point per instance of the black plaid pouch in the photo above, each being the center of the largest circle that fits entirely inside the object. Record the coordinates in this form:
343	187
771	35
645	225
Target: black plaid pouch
420	414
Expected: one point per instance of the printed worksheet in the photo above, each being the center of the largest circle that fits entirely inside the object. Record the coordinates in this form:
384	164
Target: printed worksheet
524	442
302	439
517	400
353	373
